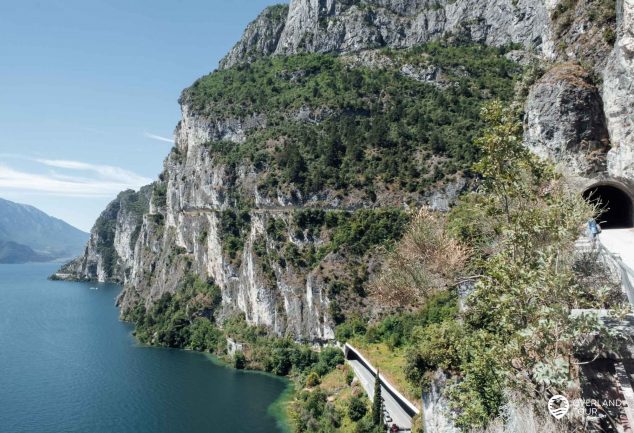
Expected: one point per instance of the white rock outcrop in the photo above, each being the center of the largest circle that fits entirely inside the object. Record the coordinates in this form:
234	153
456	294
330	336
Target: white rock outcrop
618	96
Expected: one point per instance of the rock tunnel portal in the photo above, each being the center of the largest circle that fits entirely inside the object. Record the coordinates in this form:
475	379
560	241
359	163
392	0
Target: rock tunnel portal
616	204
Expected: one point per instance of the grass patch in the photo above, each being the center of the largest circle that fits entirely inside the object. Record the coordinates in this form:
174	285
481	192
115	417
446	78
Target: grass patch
391	363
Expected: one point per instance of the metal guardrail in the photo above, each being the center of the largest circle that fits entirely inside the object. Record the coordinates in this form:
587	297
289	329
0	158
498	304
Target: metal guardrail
407	405
627	274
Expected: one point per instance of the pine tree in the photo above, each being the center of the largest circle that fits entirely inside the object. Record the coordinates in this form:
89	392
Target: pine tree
377	404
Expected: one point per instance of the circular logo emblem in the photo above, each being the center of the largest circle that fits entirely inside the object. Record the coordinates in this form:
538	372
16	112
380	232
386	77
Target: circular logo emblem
558	406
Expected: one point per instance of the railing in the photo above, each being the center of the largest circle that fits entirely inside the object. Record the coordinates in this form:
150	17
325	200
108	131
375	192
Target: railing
627	274
407	405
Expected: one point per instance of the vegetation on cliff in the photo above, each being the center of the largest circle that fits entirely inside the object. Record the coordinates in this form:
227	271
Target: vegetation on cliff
332	125
358	130
133	203
518	280
185	319
491	296
516	330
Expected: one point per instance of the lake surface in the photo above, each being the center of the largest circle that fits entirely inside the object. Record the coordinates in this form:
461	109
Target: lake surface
67	364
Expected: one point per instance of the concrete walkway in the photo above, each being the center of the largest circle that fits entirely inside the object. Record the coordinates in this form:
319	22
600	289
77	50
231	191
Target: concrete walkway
620	242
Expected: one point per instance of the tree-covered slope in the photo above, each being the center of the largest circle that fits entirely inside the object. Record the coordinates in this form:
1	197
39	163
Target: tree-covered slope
405	120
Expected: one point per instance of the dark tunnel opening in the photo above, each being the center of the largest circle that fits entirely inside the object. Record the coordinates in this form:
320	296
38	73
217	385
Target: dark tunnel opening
616	205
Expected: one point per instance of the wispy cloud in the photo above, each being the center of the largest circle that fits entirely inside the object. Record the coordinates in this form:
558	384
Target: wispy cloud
104	171
72	178
158	138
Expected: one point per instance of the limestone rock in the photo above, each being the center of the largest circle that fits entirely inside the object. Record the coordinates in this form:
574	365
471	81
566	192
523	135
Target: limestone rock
109	254
260	38
565	120
180	231
344	26
618	94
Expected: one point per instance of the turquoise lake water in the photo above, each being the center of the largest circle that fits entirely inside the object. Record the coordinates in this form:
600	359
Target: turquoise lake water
67	364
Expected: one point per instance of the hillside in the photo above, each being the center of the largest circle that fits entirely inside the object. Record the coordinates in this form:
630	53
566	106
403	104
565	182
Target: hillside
350	125
291	171
11	252
301	164
28	234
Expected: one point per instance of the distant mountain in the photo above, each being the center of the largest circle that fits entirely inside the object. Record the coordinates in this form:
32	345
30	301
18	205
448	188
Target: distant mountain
11	252
29	235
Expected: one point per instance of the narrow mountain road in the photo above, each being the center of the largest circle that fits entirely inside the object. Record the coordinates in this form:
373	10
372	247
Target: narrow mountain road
270	210
393	408
620	242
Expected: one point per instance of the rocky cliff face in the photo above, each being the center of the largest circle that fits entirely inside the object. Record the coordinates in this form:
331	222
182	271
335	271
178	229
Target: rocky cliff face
228	206
183	232
580	114
345	26
109	254
222	211
581	31
260	38
618	95
565	120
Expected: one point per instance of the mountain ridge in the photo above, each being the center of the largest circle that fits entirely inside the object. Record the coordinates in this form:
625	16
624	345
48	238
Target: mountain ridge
29	234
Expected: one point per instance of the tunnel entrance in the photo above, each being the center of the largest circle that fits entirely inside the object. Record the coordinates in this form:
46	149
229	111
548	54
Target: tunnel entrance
616	205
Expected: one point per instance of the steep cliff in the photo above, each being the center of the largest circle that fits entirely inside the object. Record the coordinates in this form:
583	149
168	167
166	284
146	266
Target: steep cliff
110	251
565	120
295	163
618	78
260	37
327	26
585	32
290	175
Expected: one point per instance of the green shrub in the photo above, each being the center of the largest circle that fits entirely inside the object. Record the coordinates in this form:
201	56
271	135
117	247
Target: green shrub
159	195
239	360
205	337
233	227
182	319
329	359
363	229
357	408
398	330
312	380
609	35
349	377
365	425
350	328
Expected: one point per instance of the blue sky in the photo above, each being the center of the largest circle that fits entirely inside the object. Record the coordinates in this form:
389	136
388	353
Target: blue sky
89	89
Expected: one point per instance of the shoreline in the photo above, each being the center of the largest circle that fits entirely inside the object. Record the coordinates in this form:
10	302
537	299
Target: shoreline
278	409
